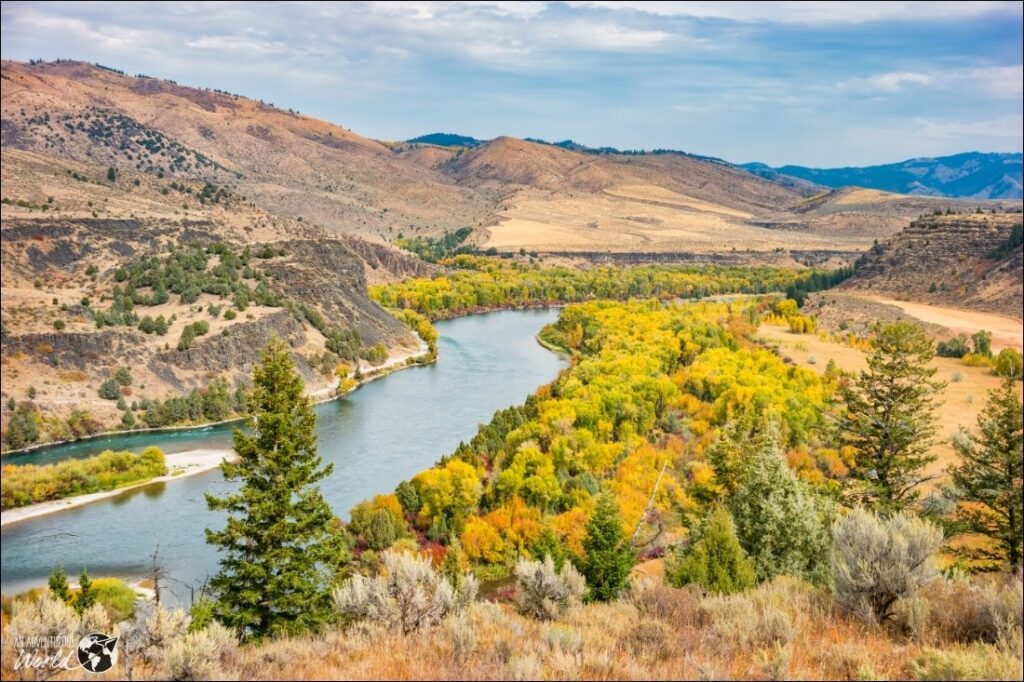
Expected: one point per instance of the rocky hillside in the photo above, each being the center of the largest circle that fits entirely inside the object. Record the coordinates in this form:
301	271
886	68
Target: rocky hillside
973	174
969	261
100	274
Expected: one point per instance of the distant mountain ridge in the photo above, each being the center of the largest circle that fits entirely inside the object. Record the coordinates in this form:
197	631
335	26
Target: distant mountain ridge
447	140
456	140
976	175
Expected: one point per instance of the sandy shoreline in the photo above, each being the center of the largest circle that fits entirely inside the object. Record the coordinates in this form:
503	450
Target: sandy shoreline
179	465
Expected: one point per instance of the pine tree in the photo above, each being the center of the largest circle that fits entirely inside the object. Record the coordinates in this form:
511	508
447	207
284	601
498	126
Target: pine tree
713	558
781	523
85	597
989	478
279	547
58	583
609	558
889	418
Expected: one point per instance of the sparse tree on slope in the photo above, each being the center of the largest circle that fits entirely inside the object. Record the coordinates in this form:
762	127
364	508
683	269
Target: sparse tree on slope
279	547
988	481
889	418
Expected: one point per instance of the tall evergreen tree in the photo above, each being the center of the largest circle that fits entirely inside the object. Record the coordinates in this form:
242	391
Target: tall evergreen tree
609	557
988	480
729	456
889	418
279	548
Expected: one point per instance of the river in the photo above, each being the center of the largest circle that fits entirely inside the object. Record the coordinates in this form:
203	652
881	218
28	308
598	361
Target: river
381	434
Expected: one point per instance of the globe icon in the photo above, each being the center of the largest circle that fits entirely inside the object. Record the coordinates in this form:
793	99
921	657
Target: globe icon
97	652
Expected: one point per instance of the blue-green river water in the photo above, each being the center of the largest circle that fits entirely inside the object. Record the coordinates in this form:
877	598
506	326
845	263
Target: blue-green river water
381	434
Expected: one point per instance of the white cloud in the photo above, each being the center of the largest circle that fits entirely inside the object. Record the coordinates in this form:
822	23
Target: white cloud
994	81
1003	127
238	44
893	81
813	12
603	36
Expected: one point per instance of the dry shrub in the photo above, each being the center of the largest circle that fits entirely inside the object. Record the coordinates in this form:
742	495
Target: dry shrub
752	619
151	630
775	661
462	636
647	638
524	667
877	561
988	609
970	662
678	606
203	655
849	661
563	638
51	625
410	595
544	593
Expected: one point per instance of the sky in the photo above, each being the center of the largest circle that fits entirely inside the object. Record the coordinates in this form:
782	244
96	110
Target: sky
815	83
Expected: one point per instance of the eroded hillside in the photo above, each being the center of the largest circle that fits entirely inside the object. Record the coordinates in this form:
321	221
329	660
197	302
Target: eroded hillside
970	261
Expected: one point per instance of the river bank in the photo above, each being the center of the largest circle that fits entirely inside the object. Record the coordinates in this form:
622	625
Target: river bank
179	465
410	358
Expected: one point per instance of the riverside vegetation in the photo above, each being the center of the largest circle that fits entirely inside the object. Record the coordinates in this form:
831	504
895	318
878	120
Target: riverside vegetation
29	484
794	535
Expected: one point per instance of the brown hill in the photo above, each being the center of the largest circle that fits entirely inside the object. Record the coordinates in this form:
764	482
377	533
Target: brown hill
970	261
523	194
509	161
567	202
288	164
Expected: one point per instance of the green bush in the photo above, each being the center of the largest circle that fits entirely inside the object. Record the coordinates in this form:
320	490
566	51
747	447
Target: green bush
781	522
955	347
115	596
1009	364
110	390
123	376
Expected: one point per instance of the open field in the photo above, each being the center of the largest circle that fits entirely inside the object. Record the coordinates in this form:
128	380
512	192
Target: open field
645	218
961	402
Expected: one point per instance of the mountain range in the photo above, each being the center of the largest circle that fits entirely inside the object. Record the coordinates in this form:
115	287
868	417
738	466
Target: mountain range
973	175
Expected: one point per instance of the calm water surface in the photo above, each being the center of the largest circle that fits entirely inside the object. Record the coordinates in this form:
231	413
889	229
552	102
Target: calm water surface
378	436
